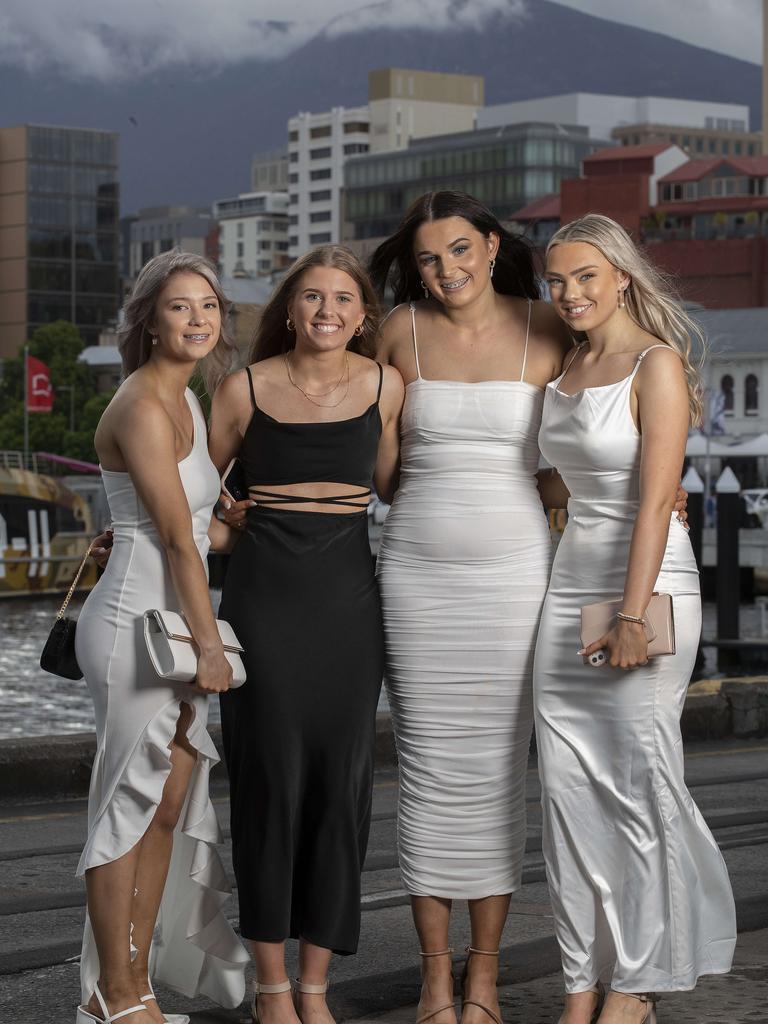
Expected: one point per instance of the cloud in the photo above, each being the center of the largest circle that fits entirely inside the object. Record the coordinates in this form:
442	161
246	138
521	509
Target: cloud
113	39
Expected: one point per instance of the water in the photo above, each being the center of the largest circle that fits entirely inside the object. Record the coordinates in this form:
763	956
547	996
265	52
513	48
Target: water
36	703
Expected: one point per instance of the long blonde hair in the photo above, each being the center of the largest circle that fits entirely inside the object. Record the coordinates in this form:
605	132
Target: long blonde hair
650	298
135	338
272	335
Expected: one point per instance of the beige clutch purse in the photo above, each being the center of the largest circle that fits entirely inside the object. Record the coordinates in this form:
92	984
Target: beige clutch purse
598	618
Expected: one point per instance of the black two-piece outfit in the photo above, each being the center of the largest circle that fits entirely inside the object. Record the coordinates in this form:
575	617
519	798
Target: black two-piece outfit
299	736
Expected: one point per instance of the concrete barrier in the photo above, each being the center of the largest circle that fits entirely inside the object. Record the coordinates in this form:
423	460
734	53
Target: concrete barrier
59	767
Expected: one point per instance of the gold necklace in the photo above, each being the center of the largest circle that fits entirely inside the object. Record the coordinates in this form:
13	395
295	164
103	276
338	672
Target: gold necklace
311	396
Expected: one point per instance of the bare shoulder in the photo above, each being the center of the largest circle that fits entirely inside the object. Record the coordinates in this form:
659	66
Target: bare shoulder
661	365
395	331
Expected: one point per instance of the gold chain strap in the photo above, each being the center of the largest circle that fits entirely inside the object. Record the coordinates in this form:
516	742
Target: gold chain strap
75	581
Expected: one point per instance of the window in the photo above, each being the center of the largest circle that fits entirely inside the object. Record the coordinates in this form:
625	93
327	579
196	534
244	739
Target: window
726	386
293	241
294	157
321	154
690	190
292	179
293	198
265	266
240	229
319	238
355	126
265	245
737	147
293	219
317	197
751	396
320	175
321	132
240	250
293	136
320	217
355	147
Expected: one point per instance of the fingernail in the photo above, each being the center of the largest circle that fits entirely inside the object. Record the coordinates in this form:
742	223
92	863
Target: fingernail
227	505
582	651
252	504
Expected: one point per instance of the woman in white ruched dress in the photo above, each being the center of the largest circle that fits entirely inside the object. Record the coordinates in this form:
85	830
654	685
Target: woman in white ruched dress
639	888
150	776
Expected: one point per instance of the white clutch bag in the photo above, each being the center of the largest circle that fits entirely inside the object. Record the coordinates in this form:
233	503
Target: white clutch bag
172	651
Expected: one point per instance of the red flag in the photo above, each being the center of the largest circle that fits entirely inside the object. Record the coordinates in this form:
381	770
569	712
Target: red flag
39	391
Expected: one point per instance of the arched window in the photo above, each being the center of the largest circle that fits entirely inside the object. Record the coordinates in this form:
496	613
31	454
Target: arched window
751	395
726	386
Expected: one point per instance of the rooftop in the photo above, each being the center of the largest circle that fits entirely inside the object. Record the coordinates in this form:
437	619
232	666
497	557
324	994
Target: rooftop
735	331
630	152
694	170
544	208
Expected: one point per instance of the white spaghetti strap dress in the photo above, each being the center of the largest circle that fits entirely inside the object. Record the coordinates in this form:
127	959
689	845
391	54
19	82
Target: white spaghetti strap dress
639	888
463	568
194	949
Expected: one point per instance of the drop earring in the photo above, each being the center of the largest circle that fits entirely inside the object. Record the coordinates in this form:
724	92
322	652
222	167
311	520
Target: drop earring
425	290
621	298
491	265
290	324
154	339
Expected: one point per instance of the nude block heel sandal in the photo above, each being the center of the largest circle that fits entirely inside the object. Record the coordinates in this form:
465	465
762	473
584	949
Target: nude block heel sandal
84	1015
471	951
266	990
440	1009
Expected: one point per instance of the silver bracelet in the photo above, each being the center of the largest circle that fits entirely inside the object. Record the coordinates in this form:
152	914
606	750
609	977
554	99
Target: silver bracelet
630	618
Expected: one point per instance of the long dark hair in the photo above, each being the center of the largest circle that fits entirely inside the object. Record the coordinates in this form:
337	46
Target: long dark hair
394	264
272	336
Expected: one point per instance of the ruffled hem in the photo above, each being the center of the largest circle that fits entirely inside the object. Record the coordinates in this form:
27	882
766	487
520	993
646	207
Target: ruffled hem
194	949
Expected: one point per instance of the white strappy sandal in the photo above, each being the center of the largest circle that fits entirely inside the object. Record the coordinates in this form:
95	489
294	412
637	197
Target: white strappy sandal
170	1018
266	990
84	1015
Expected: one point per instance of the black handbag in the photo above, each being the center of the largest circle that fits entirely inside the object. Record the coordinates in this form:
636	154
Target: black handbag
58	654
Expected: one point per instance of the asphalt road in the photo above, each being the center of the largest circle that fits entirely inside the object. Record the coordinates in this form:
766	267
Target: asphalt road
42	904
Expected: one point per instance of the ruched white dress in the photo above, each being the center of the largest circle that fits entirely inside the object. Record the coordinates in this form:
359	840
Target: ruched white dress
194	949
639	888
463	567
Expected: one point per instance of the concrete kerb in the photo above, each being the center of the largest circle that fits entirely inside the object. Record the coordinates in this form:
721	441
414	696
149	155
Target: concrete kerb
52	767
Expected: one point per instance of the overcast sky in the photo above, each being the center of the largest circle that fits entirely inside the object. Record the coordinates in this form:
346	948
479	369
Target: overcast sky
110	39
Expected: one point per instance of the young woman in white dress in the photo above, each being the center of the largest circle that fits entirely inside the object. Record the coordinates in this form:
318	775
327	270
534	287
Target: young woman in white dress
154	879
640	891
463	567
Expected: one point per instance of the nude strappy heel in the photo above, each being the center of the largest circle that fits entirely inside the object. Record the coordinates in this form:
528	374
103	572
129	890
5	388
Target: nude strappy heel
470	950
170	1018
649	999
266	990
440	1009
84	1015
599	990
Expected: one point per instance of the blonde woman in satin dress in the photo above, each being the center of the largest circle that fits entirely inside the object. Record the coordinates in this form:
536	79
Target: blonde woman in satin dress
463	567
155	883
640	891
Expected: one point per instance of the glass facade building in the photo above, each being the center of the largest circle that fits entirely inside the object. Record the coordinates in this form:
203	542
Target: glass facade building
59	214
504	168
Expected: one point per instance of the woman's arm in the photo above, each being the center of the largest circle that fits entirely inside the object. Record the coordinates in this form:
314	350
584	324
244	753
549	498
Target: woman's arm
230	414
663	413
554	493
387	472
147	443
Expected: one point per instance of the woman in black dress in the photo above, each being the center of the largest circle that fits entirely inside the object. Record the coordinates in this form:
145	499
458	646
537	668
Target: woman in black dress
314	423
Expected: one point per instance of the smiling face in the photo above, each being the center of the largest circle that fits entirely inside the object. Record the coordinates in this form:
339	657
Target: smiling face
187	320
326	308
583	285
453	259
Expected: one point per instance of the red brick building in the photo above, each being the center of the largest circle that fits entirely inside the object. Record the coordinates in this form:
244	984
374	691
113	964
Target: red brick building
705	221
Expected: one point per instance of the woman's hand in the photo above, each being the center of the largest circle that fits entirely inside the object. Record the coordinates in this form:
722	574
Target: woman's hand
214	673
681	505
625	646
102	548
233	512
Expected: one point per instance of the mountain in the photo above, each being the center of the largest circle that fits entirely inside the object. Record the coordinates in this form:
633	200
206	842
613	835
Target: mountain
188	136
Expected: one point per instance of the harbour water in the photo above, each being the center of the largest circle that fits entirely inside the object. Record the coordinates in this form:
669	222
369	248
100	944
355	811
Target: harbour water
35	703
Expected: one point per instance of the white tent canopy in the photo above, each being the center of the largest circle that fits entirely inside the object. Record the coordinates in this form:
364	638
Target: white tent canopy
697	446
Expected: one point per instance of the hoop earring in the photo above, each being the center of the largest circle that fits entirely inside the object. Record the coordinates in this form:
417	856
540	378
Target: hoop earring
426	290
359	330
491	265
290	324
621	298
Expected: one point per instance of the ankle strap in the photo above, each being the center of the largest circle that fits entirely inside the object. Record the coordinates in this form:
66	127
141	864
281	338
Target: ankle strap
311	990
438	952
271	990
642	997
483	952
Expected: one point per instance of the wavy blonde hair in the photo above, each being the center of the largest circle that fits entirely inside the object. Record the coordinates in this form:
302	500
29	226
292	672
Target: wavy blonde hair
650	298
135	338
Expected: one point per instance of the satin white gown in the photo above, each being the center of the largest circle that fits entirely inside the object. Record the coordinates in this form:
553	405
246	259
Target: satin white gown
463	567
639	888
194	948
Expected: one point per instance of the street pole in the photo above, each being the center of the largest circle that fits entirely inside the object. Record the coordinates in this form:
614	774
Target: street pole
26	407
728	572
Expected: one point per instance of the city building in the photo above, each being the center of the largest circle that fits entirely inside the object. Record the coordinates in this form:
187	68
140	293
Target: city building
269	171
696	141
253	233
502	167
737	365
406	105
157	229
247	296
704	221
59	237
318	145
601	113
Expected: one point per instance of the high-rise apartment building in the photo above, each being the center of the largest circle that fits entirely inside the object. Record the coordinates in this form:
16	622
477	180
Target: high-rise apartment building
157	229
59	239
406	104
318	145
253	235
